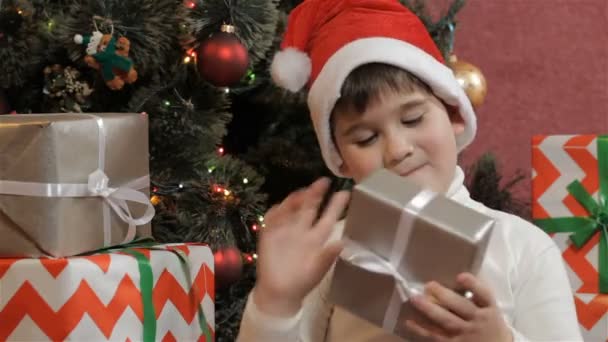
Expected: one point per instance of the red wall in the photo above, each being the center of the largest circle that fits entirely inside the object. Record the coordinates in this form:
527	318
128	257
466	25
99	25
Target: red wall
546	63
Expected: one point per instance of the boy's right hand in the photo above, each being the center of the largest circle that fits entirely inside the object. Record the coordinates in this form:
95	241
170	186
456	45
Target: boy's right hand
293	255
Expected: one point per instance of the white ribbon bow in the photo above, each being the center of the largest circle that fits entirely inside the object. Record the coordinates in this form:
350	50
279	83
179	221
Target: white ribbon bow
117	199
97	186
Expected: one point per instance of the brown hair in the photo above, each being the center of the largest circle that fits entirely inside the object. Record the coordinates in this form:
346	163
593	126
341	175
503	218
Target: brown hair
366	84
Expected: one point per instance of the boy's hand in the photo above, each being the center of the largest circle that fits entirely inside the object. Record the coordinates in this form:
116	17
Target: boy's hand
458	318
293	257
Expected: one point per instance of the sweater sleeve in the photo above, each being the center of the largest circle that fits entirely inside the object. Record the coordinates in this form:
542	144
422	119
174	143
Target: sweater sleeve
308	325
544	304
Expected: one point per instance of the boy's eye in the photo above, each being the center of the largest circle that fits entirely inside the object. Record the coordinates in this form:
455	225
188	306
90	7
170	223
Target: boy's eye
413	122
367	141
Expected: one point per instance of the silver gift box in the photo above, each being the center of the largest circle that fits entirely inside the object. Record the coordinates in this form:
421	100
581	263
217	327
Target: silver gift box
399	237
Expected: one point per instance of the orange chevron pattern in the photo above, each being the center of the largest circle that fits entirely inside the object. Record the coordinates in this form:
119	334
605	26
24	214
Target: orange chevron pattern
547	173
170	338
167	289
590	314
578	262
577	150
58	325
28	302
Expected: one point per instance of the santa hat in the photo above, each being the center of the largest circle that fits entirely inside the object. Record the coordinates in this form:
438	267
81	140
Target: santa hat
92	41
327	39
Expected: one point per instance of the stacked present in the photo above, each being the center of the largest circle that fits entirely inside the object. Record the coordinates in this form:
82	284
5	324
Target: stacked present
570	201
74	195
392	233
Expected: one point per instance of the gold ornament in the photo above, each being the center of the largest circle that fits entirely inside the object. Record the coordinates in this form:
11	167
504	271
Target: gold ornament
155	199
471	79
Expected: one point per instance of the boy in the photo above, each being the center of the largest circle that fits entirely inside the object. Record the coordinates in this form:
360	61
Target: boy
380	96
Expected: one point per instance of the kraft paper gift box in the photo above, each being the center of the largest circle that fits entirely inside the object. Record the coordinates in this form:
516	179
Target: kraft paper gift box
398	237
72	183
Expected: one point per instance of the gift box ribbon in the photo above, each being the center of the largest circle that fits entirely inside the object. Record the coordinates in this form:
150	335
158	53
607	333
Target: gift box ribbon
146	282
97	186
356	254
583	228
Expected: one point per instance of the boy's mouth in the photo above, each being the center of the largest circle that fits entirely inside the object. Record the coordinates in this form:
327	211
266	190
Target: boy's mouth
410	171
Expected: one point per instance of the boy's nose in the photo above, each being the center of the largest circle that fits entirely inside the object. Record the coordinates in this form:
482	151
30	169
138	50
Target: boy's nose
397	149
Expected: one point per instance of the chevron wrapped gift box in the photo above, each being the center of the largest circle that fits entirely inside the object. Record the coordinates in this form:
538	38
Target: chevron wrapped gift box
160	293
570	202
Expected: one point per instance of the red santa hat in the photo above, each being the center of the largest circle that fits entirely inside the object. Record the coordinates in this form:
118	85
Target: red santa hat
327	39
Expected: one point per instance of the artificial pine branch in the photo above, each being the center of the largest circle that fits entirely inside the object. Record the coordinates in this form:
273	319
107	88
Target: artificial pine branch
485	186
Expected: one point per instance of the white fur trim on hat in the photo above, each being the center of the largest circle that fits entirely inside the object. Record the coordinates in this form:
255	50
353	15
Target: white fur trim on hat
325	90
291	69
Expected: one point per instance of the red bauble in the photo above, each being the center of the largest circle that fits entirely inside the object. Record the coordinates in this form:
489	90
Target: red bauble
228	266
222	59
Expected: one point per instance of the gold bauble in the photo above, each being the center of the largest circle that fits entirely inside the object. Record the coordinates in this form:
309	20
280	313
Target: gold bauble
155	200
471	79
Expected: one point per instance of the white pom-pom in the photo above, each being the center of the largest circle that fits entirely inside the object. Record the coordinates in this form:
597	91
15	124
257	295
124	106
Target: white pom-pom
78	39
291	69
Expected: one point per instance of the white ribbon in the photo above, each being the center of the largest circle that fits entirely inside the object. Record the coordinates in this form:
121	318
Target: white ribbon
360	256
97	186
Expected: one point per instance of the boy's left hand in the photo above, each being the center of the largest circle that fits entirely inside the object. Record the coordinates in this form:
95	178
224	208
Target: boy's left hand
458	318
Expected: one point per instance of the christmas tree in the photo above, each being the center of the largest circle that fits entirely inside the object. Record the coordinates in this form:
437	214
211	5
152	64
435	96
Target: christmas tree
225	143
161	58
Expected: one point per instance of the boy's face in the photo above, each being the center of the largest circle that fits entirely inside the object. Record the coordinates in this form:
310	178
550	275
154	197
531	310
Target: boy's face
412	135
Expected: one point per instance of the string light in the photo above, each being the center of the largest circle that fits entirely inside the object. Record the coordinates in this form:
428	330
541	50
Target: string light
187	59
167	103
255	256
227	90
50	24
220	151
210	170
251	76
190	4
181	186
245	180
249	258
155	200
255	227
226	192
261	218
